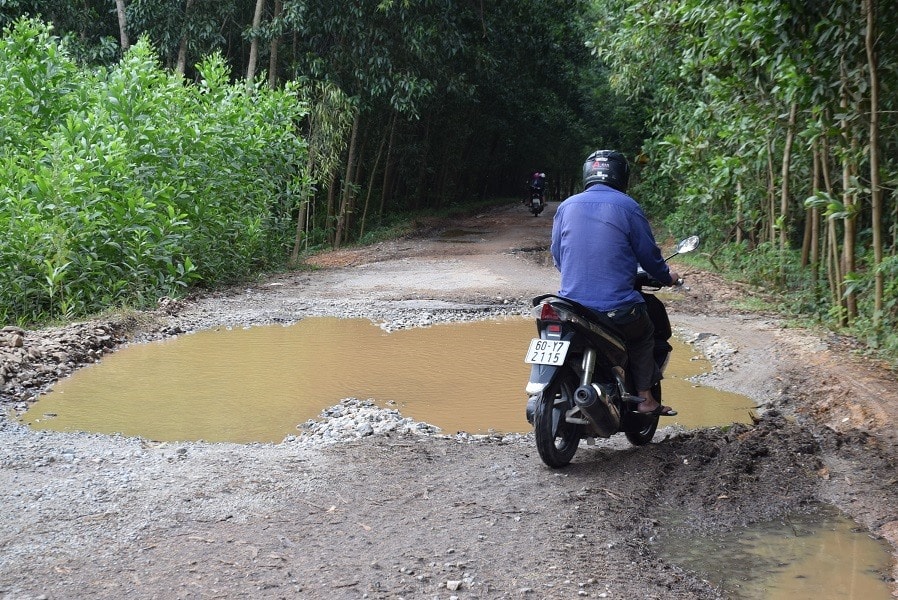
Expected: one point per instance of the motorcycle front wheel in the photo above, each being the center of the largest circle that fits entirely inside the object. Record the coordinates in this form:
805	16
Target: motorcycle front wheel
556	439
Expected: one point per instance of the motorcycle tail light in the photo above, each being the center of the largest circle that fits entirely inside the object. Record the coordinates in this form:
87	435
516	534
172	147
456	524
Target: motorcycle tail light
548	313
553	328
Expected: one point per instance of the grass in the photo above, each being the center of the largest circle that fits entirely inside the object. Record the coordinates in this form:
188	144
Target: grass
793	307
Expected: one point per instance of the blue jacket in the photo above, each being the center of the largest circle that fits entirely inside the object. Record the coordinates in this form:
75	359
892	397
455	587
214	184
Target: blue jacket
599	237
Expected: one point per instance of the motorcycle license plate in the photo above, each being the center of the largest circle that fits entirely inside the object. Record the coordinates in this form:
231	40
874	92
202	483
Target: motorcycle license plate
546	352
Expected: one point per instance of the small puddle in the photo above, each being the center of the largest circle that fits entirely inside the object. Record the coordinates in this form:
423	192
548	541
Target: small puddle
257	384
822	556
463	236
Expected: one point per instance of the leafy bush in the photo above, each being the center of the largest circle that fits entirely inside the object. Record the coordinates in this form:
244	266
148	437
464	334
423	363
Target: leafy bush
123	185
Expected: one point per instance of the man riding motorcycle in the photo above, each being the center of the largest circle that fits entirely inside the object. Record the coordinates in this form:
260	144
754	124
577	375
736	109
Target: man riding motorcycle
538	185
599	239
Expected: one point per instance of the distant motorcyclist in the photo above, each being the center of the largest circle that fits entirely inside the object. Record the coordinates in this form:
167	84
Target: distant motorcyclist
538	185
599	239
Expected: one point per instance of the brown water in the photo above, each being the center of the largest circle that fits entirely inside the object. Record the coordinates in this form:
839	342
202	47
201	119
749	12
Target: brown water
819	557
259	383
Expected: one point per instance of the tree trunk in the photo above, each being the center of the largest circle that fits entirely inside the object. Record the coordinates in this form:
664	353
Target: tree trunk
300	231
182	47
304	199
347	184
811	241
331	200
388	167
875	189
441	193
824	163
784	184
831	251
893	217
254	43
738	211
380	150
421	191
835	272
273	52
771	195
848	200
181	67
122	24
806	238
354	179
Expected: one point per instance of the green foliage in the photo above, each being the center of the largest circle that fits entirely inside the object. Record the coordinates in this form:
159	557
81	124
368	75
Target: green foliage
37	85
721	79
877	332
88	28
199	24
473	95
124	185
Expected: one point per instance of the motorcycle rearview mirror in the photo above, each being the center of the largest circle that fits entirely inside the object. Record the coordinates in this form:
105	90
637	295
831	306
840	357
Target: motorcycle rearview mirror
687	245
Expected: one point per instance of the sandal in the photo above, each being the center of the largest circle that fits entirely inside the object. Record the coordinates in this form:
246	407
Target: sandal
660	411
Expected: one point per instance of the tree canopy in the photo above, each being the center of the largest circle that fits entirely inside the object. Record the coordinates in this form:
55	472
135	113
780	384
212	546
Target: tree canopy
775	121
472	94
259	129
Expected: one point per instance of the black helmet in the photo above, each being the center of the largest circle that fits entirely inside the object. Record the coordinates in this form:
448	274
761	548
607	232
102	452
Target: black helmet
609	167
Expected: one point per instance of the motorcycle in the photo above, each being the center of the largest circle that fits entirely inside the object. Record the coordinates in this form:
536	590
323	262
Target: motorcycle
579	386
536	203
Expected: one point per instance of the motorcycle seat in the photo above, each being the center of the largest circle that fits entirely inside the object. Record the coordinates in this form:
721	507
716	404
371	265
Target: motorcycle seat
587	313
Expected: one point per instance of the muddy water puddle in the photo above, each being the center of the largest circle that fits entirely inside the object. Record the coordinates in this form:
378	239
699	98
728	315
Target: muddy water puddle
824	556
257	384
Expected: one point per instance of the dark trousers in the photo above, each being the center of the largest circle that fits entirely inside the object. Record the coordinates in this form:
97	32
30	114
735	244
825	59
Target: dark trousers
634	324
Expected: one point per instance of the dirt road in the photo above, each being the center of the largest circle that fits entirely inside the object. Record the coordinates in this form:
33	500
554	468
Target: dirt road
438	516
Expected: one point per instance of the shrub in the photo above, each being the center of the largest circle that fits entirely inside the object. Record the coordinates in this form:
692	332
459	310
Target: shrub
123	185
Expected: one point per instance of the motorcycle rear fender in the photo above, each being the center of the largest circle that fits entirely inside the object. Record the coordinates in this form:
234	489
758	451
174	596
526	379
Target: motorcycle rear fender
542	375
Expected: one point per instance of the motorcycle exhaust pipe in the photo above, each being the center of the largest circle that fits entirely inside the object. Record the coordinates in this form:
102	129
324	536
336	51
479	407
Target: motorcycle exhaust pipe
596	405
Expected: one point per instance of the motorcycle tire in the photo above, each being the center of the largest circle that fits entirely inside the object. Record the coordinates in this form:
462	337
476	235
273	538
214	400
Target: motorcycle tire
556	439
643	429
643	436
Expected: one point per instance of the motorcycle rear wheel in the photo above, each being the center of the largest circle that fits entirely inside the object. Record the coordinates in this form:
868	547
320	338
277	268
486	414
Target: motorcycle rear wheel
646	424
556	439
644	435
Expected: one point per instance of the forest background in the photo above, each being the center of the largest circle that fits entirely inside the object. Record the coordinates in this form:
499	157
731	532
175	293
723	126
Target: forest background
153	146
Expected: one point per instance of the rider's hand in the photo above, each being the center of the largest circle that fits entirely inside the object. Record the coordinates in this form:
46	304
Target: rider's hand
674	277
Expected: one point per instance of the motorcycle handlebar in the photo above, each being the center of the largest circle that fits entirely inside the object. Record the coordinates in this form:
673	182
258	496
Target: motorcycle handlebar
643	279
